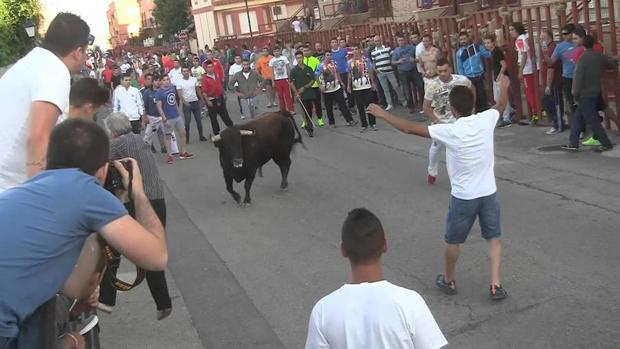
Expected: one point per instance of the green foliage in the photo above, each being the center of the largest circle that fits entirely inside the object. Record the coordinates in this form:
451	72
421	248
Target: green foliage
14	42
172	15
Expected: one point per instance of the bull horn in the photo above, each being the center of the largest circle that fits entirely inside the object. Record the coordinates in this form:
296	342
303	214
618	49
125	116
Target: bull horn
246	132
216	138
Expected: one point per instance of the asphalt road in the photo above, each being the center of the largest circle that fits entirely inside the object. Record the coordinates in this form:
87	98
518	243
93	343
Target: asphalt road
250	276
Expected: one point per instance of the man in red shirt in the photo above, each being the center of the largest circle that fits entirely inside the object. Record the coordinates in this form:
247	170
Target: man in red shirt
217	66
213	93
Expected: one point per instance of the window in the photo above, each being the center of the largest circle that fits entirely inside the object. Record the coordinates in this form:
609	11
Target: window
243	22
229	25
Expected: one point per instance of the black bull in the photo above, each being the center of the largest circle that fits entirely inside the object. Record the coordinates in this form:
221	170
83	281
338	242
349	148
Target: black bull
244	149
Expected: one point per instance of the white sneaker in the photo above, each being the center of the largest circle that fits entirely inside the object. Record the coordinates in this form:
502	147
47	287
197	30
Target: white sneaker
242	117
389	107
552	131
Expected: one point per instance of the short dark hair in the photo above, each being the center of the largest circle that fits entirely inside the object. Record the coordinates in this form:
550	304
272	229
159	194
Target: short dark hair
462	33
87	90
208	62
127	74
363	237
588	41
78	143
442	61
490	37
66	33
580	32
519	27
569	28
298	52
245	60
462	100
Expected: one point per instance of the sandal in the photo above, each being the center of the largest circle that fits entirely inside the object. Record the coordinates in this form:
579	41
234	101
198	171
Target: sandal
447	287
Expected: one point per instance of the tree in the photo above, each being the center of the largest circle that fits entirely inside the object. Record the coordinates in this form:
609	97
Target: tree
14	42
171	15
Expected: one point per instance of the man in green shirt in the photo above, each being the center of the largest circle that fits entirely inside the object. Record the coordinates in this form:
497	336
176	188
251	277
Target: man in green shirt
302	79
313	63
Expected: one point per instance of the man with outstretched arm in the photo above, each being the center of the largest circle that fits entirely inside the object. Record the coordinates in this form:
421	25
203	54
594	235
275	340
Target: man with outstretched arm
470	161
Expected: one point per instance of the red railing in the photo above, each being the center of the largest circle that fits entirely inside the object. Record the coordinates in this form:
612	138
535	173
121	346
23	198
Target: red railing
444	30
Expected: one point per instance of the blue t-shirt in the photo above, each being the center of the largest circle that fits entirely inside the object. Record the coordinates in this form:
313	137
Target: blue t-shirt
340	57
168	100
45	222
407	52
148	95
566	52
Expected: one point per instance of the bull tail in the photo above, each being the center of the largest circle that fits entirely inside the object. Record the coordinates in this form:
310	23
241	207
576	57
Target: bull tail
299	138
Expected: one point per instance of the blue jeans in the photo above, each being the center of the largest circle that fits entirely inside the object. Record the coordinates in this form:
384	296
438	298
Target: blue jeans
587	111
463	213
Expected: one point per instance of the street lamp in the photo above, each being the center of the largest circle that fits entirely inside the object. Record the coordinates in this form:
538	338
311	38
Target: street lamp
29	26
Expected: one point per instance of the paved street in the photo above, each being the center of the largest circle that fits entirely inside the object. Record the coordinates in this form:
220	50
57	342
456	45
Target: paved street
248	277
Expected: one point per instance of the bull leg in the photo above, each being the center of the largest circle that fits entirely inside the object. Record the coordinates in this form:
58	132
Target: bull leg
248	185
229	187
285	165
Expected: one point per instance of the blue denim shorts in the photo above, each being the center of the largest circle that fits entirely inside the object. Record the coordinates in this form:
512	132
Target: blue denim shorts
463	213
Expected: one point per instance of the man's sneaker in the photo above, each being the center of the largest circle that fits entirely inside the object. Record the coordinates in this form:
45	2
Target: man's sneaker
582	135
602	149
303	124
364	130
203	138
504	124
164	313
447	287
170	160
524	122
389	107
431	179
352	123
269	105
569	147
186	156
591	142
497	293
553	131
374	127
321	123
534	120
242	117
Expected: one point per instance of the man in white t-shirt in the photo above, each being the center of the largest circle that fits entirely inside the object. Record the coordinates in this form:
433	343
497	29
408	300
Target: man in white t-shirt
232	70
437	107
370	312
38	86
190	95
470	160
175	74
281	67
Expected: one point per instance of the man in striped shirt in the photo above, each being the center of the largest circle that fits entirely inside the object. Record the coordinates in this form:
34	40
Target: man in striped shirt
382	60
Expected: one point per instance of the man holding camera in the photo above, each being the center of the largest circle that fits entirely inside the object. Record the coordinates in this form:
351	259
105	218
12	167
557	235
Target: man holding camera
52	214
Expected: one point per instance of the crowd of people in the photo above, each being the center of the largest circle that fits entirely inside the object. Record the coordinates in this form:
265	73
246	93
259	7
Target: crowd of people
57	157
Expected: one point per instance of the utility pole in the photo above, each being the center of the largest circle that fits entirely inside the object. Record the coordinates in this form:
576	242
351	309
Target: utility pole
247	11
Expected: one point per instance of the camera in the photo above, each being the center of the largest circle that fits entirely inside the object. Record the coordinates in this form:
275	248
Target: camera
114	180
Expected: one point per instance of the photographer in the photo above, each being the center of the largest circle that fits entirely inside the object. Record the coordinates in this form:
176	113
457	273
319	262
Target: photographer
53	213
126	144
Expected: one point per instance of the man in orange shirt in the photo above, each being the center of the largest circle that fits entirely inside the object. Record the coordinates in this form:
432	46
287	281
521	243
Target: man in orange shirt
264	70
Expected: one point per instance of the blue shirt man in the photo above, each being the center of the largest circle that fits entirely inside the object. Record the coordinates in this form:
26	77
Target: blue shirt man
168	99
566	52
50	216
340	58
148	95
407	52
470	57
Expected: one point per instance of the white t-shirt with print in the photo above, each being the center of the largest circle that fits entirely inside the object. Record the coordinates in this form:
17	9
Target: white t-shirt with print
278	65
470	155
373	315
438	92
39	76
188	88
522	46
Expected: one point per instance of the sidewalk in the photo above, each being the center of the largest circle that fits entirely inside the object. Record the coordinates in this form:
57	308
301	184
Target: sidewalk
132	324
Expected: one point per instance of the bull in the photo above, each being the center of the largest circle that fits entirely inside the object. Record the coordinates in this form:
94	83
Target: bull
244	149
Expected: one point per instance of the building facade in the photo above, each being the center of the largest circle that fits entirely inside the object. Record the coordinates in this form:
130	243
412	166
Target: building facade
222	18
123	21
146	13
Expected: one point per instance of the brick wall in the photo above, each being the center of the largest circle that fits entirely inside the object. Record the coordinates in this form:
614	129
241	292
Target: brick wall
404	9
